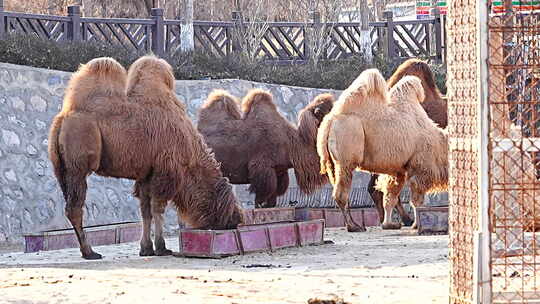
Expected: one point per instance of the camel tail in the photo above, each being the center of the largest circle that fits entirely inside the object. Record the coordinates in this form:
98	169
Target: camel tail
327	164
55	155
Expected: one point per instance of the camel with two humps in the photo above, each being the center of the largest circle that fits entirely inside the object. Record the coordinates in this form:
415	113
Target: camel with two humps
257	145
131	125
387	133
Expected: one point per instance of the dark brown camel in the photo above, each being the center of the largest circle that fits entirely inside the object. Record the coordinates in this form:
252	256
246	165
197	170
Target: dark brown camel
258	145
148	138
436	109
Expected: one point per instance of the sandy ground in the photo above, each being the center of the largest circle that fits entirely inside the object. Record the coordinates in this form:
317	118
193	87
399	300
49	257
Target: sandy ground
373	267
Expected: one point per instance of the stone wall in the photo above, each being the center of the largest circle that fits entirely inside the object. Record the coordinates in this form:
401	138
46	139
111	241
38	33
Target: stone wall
30	199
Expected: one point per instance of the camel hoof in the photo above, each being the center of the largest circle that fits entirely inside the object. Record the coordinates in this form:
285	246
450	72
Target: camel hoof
391	226
92	256
356	228
163	252
147	252
407	222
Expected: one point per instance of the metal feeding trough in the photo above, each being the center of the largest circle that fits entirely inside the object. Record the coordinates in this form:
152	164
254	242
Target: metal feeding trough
97	235
250	238
333	217
432	220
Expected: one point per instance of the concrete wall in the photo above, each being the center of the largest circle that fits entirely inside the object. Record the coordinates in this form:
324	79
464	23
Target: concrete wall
30	199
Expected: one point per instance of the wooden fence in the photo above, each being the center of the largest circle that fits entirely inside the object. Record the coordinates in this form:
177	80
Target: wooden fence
282	42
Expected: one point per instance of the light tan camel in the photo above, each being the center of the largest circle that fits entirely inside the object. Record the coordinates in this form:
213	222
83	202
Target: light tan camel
392	135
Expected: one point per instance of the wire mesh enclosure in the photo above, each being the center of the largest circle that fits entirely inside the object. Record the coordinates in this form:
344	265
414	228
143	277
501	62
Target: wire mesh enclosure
514	131
494	107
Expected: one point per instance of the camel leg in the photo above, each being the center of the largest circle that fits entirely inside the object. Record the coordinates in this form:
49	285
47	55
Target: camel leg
282	186
147	248
158	209
405	218
75	196
341	196
81	156
390	200
417	200
376	196
263	182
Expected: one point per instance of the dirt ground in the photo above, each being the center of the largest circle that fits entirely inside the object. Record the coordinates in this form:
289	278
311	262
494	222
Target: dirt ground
373	267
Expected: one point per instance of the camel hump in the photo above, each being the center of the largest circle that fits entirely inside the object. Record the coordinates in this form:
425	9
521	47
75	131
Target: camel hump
104	67
102	76
221	100
256	99
149	73
375	83
369	87
417	68
370	83
408	89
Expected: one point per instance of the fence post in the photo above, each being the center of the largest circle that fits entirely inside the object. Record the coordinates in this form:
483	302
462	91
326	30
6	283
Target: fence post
2	23
310	34
158	37
390	48
436	13
237	31
74	24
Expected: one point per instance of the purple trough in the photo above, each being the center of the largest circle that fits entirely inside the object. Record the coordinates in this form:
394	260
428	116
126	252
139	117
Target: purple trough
96	235
432	220
250	238
334	218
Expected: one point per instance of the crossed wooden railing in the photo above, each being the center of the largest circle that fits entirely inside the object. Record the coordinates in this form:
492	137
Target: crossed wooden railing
282	42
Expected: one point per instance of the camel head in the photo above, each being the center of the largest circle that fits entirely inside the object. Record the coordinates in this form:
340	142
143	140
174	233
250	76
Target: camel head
312	115
150	74
420	69
228	213
304	155
409	88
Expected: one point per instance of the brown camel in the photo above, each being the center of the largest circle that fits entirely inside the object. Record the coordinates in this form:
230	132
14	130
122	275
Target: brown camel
148	138
258	146
436	109
370	131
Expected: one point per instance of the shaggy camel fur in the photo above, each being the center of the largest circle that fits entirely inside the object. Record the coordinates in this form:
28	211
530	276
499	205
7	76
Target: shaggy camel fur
435	107
258	146
148	138
366	130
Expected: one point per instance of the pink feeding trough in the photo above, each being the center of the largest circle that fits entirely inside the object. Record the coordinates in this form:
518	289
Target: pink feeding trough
250	238
264	230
